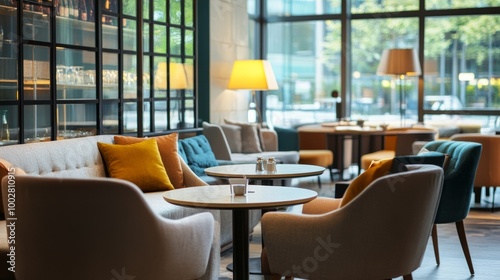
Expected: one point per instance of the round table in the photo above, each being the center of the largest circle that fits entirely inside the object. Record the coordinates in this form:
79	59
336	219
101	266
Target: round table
258	197
283	171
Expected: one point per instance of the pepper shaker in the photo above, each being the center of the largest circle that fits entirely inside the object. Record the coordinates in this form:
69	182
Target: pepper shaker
259	166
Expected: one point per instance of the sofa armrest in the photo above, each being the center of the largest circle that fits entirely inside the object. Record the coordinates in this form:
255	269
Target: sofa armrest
269	140
190	178
217	140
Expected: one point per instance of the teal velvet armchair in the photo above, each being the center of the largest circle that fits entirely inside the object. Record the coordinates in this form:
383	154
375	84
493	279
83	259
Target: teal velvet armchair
457	188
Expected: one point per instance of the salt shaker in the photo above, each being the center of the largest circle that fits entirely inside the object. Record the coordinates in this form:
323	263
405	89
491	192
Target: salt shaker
271	165
259	166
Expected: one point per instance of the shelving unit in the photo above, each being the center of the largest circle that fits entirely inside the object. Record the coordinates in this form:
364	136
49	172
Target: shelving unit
46	101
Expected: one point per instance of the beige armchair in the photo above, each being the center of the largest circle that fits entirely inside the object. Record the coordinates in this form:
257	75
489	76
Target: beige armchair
101	229
382	233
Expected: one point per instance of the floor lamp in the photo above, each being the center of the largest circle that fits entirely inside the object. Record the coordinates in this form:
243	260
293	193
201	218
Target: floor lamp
254	75
401	63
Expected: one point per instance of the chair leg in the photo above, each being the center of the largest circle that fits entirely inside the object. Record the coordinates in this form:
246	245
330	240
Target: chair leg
435	243
408	277
319	182
465	247
477	194
330	169
493	199
272	277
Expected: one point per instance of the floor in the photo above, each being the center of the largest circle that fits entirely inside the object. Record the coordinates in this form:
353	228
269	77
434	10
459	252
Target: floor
483	234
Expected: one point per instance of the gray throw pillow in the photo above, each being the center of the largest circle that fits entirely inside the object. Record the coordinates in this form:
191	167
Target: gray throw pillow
250	137
233	136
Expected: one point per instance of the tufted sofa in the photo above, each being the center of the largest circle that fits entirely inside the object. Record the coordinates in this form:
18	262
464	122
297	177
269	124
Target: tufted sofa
80	158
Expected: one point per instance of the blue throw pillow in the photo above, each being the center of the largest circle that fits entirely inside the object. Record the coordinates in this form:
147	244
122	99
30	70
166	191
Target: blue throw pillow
198	153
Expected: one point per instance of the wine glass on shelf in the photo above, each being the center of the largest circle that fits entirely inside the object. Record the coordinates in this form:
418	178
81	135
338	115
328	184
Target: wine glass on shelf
61	74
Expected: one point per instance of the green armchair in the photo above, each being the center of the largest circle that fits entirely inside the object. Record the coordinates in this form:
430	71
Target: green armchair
457	188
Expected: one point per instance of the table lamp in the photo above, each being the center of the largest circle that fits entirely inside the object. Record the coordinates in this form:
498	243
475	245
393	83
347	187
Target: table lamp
401	63
253	75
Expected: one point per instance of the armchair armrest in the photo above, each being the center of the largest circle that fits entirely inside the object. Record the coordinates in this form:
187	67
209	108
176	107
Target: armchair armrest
321	205
269	139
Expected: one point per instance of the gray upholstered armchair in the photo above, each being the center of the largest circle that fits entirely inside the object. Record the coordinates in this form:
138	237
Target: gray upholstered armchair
382	233
101	229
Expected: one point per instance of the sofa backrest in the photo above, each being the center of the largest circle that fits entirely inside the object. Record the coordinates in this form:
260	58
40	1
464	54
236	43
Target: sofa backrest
77	157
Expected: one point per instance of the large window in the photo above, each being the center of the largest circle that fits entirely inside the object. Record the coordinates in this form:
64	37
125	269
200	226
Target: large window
305	70
315	48
462	67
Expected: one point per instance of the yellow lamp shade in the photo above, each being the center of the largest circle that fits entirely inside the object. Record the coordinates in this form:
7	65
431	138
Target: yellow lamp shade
252	75
177	77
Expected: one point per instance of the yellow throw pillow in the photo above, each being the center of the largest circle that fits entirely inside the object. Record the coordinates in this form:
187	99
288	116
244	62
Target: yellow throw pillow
167	145
138	163
376	170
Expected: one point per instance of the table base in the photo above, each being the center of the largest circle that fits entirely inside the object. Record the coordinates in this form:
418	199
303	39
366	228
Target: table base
253	265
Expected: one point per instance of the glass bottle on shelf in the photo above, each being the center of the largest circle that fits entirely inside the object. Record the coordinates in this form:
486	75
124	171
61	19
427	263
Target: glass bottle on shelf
5	134
63	9
107	8
90	12
83	10
76	10
1	39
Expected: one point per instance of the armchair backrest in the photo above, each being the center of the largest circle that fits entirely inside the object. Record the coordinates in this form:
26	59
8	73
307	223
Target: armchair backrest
99	228
382	233
458	178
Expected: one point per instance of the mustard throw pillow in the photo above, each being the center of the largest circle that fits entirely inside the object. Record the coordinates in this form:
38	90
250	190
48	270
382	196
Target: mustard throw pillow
376	170
167	145
138	163
6	168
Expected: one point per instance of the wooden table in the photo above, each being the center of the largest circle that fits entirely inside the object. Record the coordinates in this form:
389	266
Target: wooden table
259	197
365	140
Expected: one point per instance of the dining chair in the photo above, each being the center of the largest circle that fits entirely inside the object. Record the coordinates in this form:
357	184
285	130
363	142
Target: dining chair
488	170
457	189
101	228
381	233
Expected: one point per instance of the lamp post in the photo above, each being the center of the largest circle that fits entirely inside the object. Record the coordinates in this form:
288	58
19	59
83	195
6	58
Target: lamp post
253	75
401	63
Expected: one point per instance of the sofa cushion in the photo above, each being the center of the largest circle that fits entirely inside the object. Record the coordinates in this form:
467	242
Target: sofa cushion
139	163
233	137
167	145
198	154
250	137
